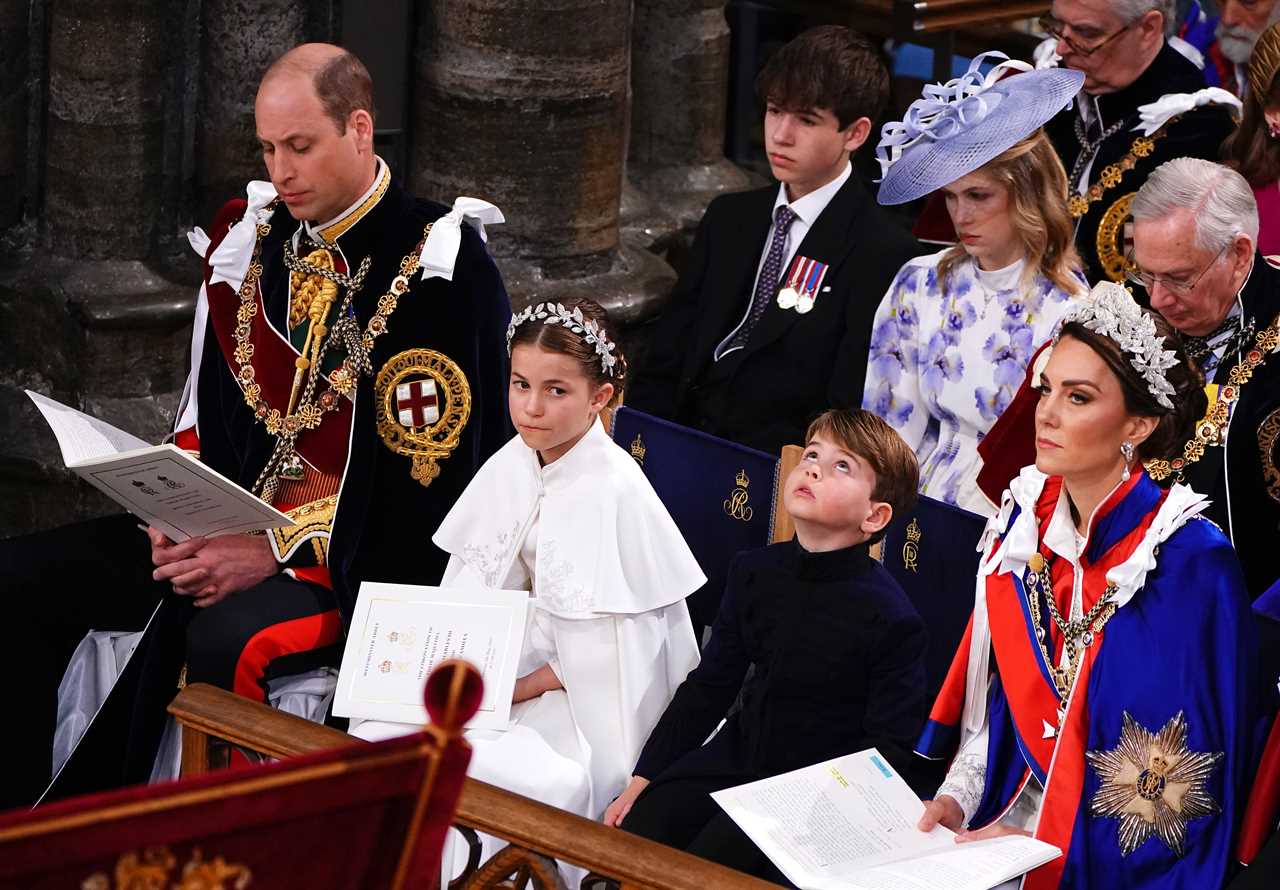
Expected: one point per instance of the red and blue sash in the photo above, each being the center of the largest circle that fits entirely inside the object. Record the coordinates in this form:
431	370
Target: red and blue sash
1024	701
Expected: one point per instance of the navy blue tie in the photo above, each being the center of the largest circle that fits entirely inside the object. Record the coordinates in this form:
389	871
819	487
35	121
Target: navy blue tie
770	273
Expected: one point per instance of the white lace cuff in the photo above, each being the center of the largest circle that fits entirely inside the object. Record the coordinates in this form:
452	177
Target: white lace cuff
965	782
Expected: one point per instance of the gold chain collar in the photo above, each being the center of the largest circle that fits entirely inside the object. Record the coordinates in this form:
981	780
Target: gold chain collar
1142	147
1209	430
1077	636
310	410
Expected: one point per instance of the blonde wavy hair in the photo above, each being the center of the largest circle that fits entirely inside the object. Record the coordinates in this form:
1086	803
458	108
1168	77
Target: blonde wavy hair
1037	187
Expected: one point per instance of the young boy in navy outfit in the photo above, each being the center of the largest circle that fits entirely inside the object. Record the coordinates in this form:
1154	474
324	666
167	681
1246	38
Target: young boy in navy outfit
770	321
837	647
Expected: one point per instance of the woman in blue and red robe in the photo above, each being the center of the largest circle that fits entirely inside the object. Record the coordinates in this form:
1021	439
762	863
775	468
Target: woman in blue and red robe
1104	697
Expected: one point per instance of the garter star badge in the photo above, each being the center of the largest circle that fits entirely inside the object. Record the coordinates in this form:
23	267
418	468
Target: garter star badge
1153	783
423	403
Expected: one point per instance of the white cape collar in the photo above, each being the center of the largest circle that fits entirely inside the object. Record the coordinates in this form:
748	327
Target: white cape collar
606	544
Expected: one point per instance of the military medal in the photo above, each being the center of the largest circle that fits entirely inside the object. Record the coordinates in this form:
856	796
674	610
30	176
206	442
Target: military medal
789	296
803	284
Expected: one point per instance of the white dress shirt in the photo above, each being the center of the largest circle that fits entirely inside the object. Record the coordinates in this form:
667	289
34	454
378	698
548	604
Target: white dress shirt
807	211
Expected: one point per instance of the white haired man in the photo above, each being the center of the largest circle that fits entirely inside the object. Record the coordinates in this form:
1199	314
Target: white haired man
1195	227
1195	230
1142	103
1240	24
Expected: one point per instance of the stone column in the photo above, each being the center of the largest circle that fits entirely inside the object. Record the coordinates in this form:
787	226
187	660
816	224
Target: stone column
88	317
239	39
523	103
107	88
112	70
679	81
13	108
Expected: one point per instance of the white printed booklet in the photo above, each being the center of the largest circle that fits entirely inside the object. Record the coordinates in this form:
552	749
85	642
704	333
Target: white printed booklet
850	824
399	632
160	484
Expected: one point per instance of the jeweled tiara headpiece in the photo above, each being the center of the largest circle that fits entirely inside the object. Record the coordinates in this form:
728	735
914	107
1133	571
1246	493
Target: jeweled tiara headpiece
1110	310
570	319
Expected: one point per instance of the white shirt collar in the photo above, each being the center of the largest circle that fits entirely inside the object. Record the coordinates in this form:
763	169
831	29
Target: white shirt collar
1060	534
810	207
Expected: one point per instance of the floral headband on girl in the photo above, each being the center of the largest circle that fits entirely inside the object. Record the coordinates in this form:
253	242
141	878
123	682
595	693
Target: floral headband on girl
572	320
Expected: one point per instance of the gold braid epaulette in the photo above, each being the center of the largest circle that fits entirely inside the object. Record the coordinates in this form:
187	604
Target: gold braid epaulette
1209	430
1111	175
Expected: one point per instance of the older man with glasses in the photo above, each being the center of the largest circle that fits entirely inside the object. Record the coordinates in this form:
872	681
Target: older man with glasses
1142	103
1194	231
1195	226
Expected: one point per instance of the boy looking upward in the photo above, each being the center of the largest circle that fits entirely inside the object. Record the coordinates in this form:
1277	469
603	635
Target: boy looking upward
838	651
770	321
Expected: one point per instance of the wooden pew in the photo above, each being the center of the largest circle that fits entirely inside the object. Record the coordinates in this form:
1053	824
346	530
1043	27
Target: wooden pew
213	719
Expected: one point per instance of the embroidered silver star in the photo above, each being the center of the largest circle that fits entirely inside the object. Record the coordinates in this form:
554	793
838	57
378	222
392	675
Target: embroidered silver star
1153	783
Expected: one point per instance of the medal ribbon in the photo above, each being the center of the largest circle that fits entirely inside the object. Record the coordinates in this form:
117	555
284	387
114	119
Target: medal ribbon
817	271
799	271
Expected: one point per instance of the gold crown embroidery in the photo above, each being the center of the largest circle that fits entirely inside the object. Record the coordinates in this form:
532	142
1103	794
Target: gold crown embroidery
154	868
736	505
911	547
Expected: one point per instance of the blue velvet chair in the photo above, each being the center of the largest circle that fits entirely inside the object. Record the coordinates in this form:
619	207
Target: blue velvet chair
931	551
720	494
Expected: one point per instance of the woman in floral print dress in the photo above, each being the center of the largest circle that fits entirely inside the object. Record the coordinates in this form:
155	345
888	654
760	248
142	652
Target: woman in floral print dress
951	341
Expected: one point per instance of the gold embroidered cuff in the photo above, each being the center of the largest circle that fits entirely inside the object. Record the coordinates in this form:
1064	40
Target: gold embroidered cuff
313	522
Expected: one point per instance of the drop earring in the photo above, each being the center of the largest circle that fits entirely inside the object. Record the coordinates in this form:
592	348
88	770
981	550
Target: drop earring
1126	452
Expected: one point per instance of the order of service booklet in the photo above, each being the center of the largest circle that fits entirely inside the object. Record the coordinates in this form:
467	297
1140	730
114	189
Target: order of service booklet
399	632
850	824
160	484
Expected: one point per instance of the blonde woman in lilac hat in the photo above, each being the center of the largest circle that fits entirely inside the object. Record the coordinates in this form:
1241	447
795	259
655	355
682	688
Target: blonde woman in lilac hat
954	334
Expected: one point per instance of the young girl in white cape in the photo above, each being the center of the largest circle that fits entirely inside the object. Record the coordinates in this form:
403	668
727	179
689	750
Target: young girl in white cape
565	513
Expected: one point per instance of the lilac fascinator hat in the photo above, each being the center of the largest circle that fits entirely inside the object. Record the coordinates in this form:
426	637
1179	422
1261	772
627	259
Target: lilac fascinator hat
956	127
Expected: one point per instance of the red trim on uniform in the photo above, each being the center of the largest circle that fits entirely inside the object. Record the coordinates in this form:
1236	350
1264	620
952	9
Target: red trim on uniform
325	446
285	638
314	574
188	440
1064	784
1264	801
949	704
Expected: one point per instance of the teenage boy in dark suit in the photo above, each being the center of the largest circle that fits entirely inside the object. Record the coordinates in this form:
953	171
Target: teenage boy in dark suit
771	319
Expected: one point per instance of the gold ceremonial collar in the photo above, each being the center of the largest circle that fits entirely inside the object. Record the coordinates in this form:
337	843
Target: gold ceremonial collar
331	230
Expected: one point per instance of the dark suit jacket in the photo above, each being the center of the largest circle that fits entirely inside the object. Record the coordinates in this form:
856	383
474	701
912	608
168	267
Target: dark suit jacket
839	656
1241	478
793	366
